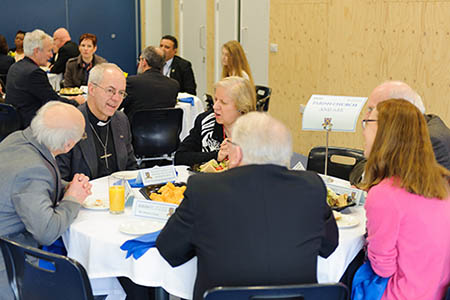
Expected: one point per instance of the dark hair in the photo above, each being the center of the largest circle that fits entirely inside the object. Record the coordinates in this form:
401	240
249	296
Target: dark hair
88	36
153	58
3	45
171	38
20	32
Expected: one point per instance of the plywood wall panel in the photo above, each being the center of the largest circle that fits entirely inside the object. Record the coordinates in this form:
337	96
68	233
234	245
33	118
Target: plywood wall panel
347	47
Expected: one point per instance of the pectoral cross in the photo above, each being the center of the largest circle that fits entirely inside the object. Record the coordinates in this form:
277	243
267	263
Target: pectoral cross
105	157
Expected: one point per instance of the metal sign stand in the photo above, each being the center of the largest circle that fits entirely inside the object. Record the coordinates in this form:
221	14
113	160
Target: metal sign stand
327	125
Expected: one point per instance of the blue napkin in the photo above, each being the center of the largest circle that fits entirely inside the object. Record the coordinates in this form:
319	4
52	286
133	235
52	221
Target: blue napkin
367	285
133	183
138	246
187	100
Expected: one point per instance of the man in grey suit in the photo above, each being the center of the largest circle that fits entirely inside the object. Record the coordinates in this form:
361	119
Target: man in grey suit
439	132
106	147
36	207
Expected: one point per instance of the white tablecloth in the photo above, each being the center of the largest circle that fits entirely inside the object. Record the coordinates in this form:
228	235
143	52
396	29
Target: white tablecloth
190	112
94	240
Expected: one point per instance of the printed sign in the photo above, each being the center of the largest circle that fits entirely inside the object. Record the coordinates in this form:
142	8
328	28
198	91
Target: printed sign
153	209
157	175
334	113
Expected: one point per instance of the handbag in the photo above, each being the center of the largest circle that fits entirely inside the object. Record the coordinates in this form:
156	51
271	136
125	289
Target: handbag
367	285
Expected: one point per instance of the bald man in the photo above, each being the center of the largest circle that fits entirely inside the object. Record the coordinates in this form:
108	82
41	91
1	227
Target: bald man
439	132
65	49
37	207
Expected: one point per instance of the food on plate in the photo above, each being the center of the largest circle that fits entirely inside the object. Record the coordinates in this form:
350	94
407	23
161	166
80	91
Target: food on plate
337	215
169	193
335	200
71	91
98	202
213	166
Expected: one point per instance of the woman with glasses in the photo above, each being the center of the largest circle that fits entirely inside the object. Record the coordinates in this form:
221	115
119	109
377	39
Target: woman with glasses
211	134
408	204
78	68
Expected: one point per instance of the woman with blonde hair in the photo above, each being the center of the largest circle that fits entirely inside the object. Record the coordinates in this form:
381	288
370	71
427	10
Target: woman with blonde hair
407	206
210	137
234	61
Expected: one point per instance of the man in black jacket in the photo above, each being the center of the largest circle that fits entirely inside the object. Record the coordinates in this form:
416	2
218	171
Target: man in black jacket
27	85
65	49
150	88
257	223
177	67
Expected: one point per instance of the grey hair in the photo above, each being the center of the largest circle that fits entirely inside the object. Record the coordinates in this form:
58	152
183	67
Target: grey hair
54	138
153	58
96	74
33	40
262	139
404	91
241	91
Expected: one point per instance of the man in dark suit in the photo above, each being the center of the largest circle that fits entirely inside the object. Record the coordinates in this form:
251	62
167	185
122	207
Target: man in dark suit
106	147
177	67
439	132
150	88
257	223
27	86
65	49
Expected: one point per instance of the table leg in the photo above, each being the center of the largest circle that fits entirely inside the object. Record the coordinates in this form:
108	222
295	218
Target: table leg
161	294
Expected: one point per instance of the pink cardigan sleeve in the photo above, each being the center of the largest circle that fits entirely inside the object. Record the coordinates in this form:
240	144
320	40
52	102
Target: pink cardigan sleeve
383	223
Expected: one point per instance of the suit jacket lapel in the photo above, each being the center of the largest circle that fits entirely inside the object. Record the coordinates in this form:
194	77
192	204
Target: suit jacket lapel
119	143
87	145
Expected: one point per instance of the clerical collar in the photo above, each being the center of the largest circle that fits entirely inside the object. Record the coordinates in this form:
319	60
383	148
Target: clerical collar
95	121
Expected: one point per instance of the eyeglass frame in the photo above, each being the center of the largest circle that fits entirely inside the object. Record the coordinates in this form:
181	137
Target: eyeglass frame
111	91
365	121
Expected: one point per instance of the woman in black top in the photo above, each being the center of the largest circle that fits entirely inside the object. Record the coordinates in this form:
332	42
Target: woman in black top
5	60
233	96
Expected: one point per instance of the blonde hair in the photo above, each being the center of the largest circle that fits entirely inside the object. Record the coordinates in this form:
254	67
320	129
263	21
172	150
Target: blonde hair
402	150
237	61
241	91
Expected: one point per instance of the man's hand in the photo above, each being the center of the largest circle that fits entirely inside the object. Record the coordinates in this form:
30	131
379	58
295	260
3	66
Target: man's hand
79	187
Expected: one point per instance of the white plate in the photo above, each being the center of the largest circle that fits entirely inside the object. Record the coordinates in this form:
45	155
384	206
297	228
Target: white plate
126	174
347	221
90	203
140	227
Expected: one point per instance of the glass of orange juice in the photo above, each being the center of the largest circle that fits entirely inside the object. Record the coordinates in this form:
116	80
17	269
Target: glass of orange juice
116	194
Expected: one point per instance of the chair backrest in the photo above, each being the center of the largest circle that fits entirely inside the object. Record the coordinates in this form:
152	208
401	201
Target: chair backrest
9	120
3	78
262	97
156	131
67	281
337	291
316	161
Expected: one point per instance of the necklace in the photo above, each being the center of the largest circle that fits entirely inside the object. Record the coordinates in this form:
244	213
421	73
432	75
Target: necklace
105	145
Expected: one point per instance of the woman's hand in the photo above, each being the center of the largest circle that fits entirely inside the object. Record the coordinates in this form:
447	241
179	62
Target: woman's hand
225	149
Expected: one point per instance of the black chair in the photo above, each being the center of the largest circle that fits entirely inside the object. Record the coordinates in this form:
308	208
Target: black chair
262	97
67	281
156	133
3	79
316	161
337	291
208	99
9	120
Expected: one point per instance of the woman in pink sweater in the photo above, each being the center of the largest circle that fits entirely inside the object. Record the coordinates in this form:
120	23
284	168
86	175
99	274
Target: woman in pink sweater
407	207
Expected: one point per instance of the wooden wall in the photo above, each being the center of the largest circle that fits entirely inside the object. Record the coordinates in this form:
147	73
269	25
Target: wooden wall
347	47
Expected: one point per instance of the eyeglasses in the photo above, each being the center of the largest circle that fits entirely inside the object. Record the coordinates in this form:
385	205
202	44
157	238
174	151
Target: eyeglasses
139	59
110	91
365	121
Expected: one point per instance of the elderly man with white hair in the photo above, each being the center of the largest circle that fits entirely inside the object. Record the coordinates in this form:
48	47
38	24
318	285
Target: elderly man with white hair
257	223
27	86
36	206
439	132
